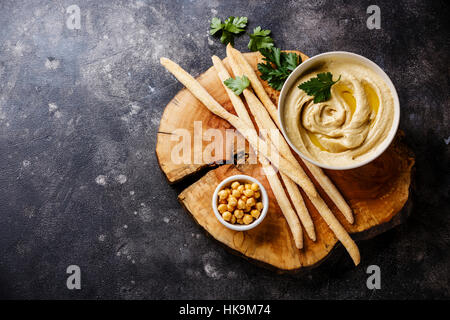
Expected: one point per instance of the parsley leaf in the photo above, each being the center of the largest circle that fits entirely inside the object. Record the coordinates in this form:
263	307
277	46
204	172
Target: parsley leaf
231	27
291	61
319	87
277	67
236	24
237	85
260	39
216	25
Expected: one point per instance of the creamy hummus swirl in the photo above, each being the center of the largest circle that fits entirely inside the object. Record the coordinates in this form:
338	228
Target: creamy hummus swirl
348	127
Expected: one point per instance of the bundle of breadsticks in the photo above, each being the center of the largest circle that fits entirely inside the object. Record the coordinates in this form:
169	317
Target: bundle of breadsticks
272	150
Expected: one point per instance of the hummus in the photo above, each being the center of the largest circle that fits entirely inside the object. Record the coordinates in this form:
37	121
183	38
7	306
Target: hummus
347	128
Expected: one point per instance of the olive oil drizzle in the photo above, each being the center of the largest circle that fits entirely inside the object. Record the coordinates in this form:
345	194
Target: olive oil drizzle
347	94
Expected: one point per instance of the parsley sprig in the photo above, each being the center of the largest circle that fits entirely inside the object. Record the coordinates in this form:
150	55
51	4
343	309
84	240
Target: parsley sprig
227	30
260	39
238	84
277	67
319	87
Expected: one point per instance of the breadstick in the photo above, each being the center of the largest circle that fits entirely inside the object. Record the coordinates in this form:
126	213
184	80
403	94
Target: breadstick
283	202
238	105
331	190
256	84
300	207
338	230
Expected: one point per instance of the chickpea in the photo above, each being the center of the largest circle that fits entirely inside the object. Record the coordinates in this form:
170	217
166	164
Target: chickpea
255	213
247	208
248	186
233	219
238	213
230	207
257	194
222	194
232	201
240	221
247	219
248	193
254	187
241	188
250	202
223	201
241	204
226	216
244	198
259	206
236	194
235	185
222	208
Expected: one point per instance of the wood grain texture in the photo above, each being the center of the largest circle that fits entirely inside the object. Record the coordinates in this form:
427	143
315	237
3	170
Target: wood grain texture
376	192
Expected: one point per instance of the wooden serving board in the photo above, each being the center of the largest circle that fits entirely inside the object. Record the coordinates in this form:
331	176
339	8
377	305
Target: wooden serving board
376	192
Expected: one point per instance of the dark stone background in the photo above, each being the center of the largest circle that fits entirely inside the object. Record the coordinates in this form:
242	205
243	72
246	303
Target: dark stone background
79	180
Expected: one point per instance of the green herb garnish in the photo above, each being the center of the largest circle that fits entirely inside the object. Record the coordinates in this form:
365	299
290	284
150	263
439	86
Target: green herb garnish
278	66
260	39
231	27
319	87
237	85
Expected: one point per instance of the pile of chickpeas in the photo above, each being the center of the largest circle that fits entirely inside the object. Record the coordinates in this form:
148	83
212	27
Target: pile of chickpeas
240	203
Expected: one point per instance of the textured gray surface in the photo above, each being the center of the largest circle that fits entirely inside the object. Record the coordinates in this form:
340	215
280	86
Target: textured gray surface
80	184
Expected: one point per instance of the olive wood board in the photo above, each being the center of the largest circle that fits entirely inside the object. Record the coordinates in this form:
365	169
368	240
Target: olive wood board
376	192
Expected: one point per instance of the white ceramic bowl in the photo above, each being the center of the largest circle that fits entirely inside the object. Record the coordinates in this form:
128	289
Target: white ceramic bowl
320	58
264	199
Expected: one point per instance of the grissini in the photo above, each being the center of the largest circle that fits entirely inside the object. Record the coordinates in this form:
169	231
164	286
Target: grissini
338	230
256	84
331	190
